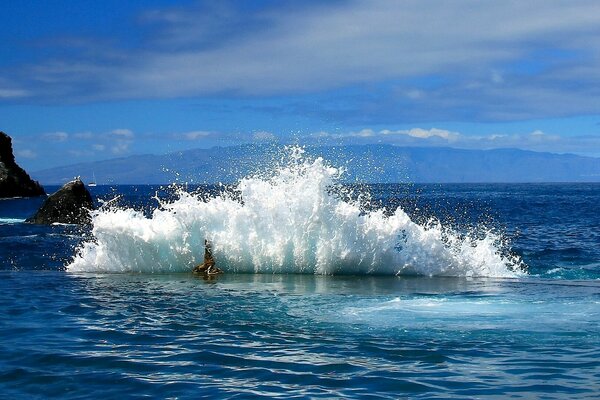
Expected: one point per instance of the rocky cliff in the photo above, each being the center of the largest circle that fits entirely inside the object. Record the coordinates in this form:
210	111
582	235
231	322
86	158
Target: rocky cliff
14	181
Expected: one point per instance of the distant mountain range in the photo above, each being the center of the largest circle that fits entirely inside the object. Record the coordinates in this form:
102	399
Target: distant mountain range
365	163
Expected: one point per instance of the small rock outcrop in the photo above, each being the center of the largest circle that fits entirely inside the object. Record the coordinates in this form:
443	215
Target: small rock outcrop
70	205
14	181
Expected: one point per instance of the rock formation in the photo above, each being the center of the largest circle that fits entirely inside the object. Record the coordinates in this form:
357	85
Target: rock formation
70	205
14	181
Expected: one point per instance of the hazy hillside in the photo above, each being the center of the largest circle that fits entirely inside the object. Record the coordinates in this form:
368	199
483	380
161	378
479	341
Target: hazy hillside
368	163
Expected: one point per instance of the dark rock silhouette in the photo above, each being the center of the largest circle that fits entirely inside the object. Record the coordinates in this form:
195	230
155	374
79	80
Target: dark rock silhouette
208	267
70	205
14	181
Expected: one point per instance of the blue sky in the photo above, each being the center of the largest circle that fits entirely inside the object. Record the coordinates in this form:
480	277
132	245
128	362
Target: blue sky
89	80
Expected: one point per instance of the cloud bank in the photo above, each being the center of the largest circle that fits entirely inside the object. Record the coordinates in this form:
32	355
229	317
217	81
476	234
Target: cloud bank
434	137
409	61
63	148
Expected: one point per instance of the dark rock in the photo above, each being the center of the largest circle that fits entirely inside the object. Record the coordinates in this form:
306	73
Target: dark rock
14	181
70	205
208	267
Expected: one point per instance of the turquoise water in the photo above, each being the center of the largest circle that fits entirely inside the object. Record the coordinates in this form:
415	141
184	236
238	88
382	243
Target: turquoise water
300	336
359	333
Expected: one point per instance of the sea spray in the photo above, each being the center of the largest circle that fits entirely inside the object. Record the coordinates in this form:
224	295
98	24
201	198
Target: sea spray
289	222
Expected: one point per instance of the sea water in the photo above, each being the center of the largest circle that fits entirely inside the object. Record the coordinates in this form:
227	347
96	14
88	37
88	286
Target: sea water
331	291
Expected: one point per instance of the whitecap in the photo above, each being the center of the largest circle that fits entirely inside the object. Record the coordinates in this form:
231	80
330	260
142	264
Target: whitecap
11	220
288	222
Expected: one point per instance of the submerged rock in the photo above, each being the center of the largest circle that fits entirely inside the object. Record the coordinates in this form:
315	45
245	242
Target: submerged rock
70	205
14	181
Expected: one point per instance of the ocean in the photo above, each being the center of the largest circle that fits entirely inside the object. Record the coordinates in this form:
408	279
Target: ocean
330	290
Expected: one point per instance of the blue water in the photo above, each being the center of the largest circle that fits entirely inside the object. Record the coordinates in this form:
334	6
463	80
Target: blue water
87	335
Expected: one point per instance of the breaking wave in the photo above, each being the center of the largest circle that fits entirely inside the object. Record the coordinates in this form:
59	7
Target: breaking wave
289	222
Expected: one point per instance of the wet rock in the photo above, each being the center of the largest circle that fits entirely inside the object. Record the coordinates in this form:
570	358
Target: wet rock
14	181
70	205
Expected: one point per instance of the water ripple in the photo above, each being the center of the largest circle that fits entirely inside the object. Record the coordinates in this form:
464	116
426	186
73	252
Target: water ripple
76	336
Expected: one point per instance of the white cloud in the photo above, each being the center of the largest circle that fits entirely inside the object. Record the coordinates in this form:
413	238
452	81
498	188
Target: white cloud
202	51
124	139
263	136
121	147
195	135
124	133
26	153
57	136
415	94
496	136
83	135
539	136
535	140
365	133
424	133
391	135
497	77
118	141
364	41
80	153
320	134
13	93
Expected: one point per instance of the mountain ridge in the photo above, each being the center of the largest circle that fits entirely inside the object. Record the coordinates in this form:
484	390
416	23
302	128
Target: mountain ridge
372	163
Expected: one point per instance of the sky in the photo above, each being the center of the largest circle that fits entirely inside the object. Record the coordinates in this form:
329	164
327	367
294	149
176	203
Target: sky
92	80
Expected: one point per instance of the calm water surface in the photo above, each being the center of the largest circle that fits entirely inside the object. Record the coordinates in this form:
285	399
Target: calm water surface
179	336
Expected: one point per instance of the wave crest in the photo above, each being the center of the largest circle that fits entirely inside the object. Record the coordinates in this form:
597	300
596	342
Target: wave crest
290	222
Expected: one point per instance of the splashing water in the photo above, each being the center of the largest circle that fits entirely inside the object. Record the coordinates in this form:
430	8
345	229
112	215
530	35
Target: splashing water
287	223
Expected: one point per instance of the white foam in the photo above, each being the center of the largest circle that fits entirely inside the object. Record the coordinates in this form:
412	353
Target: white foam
11	220
286	223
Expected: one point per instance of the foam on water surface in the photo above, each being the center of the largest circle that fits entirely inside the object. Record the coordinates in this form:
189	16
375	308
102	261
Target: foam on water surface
11	221
288	222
